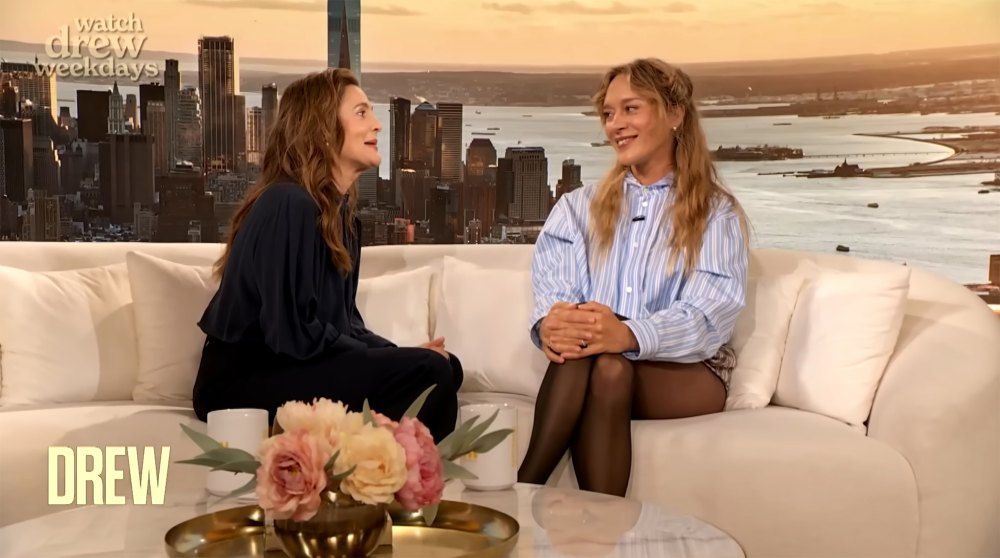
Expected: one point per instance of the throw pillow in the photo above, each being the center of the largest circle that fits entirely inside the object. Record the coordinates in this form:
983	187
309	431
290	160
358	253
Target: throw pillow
841	336
483	315
66	336
759	339
169	298
397	306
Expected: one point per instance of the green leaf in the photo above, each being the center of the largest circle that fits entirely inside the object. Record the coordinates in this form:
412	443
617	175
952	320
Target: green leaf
418	403
330	463
444	446
242	466
491	440
454	440
467	434
343	475
476	432
366	413
453	470
228	454
430	513
250	486
200	461
204	442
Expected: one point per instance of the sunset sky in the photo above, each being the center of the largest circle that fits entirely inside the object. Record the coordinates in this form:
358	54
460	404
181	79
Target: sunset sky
542	32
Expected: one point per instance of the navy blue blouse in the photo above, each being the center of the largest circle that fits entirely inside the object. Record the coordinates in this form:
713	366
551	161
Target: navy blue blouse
281	286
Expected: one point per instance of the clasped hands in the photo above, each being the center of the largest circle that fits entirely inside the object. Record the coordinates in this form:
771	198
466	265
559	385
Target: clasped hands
437	345
572	331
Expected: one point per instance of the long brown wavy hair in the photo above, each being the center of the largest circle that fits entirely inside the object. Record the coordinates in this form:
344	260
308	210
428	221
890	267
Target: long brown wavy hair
696	181
301	147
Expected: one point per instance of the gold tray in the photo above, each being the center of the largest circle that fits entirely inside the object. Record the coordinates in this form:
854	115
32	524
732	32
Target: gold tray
460	530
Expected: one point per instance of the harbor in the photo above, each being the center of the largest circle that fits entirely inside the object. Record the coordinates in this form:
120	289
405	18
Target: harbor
975	150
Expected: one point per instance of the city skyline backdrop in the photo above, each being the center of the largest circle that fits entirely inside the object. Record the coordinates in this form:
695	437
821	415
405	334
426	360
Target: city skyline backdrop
550	33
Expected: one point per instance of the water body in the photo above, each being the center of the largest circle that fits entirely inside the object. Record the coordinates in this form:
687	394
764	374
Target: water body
938	223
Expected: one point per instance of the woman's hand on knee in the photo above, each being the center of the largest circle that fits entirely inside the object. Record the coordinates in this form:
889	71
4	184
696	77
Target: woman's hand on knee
608	334
437	345
563	331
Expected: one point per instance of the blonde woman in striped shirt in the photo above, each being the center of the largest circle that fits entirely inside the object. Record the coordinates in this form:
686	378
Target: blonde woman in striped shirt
638	282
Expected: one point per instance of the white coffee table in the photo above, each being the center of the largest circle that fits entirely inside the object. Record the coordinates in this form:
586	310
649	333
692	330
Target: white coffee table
553	521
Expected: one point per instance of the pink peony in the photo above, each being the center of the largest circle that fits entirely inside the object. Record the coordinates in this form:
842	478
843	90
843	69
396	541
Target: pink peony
382	420
291	479
425	475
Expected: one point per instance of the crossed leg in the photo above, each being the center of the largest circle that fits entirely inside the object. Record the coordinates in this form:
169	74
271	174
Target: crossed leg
621	390
560	401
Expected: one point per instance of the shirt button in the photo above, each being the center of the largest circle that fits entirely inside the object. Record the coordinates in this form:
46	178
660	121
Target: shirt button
635	245
645	204
628	290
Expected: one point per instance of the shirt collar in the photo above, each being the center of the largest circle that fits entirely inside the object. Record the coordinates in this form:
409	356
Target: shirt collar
661	184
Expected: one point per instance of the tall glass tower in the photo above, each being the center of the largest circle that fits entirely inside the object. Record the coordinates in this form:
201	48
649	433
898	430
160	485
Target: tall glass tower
343	35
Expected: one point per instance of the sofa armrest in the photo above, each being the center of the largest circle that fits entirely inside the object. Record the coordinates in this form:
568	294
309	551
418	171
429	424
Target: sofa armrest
939	406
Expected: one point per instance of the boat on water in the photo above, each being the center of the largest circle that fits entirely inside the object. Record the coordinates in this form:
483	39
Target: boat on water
843	170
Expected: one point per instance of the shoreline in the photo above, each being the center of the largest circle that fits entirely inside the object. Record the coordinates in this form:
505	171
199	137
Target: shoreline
989	160
962	159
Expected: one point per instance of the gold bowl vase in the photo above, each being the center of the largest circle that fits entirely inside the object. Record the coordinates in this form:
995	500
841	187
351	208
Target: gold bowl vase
343	527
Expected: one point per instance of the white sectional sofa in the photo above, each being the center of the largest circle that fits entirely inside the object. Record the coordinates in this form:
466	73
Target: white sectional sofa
810	461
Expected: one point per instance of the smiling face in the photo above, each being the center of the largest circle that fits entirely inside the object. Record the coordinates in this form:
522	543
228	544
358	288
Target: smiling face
357	119
635	125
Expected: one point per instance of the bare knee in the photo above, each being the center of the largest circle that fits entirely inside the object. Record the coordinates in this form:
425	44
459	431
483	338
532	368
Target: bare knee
611	378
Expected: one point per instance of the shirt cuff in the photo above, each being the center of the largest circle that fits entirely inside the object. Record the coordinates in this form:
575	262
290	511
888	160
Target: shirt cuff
649	340
536	335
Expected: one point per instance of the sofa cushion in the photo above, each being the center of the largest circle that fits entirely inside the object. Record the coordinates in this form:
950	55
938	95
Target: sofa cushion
759	339
397	306
66	336
484	317
171	297
842	333
779	472
169	300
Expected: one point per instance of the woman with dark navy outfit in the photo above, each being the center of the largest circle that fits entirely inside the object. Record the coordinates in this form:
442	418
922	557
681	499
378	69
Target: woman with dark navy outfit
283	325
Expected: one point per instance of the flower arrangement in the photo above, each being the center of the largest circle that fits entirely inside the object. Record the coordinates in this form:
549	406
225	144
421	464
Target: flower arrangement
372	459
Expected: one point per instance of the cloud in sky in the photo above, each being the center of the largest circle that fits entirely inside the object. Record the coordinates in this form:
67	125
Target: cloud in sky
302	6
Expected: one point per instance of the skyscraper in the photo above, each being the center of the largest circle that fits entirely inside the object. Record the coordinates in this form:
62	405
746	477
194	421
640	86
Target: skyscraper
343	35
399	130
223	109
269	111
116	112
448	153
171	91
530	188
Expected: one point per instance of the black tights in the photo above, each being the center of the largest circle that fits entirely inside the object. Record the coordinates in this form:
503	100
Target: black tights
587	406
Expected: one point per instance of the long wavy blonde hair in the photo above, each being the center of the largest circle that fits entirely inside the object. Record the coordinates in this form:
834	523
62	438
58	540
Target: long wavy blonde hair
696	181
301	148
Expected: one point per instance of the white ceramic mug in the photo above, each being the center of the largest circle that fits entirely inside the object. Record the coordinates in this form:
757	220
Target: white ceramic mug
244	429
497	468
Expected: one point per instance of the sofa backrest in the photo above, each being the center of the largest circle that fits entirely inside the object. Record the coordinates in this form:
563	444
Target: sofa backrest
933	302
59	256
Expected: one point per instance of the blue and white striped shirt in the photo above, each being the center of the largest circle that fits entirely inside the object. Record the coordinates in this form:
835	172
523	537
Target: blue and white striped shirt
673	318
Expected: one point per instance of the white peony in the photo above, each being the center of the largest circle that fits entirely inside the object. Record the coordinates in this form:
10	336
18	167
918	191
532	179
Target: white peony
380	465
